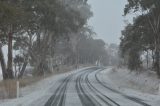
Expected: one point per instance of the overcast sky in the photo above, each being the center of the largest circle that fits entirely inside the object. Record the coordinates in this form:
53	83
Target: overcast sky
108	21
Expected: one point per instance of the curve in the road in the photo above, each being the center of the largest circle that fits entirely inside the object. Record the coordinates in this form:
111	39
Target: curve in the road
58	97
87	92
86	98
100	95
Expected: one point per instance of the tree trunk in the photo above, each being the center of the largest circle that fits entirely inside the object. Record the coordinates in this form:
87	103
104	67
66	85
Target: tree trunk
39	41
10	57
3	64
153	60
157	67
40	69
23	69
147	60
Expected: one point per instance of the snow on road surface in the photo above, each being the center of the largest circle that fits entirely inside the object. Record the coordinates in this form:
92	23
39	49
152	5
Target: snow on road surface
83	87
38	92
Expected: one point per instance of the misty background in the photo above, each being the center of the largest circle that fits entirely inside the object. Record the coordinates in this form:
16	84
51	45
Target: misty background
108	19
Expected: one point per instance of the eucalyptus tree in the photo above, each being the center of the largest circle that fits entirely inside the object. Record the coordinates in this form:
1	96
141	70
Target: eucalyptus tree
150	10
47	20
66	20
35	26
10	24
136	38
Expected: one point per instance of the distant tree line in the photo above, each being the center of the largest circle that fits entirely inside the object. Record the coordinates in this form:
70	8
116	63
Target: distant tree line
86	51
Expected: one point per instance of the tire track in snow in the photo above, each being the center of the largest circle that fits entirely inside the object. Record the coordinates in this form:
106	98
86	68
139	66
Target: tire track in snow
59	96
134	99
108	101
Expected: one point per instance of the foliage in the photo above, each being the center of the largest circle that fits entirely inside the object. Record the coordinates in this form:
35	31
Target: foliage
143	35
34	26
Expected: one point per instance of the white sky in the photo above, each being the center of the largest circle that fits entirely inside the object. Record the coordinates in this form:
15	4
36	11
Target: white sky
108	21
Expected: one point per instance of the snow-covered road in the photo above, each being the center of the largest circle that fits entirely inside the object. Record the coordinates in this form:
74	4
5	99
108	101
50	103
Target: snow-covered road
84	87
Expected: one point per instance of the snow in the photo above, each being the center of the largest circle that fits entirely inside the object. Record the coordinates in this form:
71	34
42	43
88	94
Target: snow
145	81
134	85
40	92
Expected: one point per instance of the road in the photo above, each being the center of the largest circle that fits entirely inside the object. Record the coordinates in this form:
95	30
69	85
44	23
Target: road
86	88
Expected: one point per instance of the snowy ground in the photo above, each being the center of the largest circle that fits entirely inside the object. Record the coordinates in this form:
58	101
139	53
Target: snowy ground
36	92
101	92
143	85
146	82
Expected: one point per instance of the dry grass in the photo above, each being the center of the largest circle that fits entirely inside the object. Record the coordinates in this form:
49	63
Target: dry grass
8	89
28	81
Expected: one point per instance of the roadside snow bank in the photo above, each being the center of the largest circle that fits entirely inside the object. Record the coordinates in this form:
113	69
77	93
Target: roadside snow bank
145	82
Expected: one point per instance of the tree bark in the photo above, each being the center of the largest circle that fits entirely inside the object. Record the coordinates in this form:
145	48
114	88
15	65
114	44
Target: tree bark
10	57
153	59
23	70
40	68
157	67
147	60
3	64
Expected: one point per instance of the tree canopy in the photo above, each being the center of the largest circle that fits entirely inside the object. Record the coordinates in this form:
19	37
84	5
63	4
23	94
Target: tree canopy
143	35
33	26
